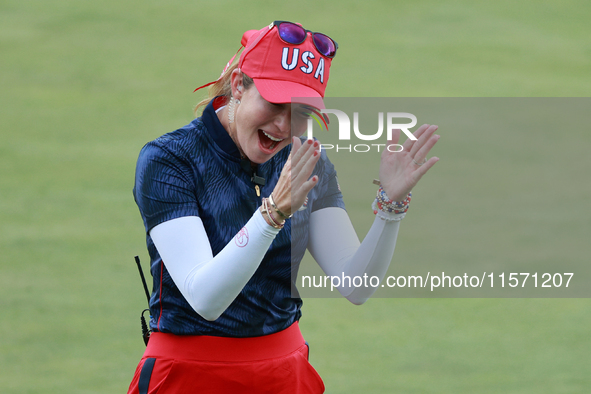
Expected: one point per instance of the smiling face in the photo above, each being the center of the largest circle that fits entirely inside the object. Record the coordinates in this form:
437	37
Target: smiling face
261	129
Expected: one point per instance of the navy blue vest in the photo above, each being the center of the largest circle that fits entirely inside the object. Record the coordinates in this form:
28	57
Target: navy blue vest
196	171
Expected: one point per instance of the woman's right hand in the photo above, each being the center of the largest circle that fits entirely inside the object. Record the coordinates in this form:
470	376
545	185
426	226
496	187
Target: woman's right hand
294	182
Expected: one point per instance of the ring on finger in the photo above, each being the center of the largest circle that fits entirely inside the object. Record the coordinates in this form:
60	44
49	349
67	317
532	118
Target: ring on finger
421	163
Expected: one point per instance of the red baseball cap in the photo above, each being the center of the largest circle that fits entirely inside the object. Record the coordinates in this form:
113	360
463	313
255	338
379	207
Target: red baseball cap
284	72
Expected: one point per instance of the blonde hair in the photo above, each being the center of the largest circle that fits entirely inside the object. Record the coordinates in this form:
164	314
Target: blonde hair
223	87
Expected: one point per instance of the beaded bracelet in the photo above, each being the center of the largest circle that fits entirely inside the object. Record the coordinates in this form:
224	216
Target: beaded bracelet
387	205
387	209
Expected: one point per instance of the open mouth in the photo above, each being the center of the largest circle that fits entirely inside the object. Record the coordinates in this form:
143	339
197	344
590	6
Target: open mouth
268	143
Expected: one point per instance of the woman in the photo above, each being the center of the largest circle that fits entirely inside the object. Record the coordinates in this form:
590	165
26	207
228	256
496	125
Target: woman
217	197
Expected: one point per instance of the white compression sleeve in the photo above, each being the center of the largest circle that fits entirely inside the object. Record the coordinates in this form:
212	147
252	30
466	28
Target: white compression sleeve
210	284
334	245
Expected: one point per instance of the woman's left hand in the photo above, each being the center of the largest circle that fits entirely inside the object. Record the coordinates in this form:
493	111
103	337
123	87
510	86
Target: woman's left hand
401	171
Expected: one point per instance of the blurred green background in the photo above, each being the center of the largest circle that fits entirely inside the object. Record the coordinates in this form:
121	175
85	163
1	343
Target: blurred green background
85	84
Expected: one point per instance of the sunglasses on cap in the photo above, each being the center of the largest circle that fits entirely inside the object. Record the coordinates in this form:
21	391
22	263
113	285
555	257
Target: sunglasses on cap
295	34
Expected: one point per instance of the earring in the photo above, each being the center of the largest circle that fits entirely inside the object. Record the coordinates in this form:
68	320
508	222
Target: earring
232	109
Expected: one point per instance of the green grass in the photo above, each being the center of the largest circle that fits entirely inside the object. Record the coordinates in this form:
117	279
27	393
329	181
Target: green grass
86	84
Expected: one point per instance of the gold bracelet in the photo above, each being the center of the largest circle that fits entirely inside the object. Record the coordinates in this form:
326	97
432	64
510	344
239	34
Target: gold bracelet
265	210
284	216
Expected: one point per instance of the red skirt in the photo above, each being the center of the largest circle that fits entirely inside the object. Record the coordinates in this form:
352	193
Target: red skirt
276	363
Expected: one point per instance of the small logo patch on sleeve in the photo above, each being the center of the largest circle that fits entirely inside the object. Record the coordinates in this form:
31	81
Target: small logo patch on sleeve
241	238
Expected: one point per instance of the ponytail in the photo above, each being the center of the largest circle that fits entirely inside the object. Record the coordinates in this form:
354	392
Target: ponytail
223	87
